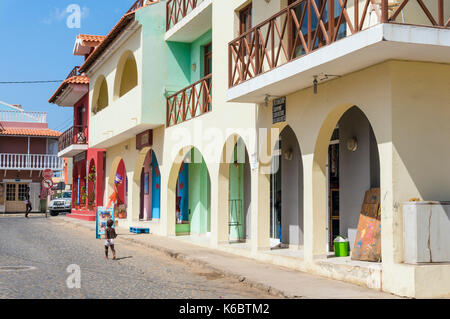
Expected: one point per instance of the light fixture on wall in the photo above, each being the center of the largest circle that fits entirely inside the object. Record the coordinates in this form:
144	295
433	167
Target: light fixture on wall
323	78
193	67
289	154
266	99
352	144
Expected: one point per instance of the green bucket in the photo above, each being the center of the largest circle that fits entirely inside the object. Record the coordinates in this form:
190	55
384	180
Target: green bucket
342	249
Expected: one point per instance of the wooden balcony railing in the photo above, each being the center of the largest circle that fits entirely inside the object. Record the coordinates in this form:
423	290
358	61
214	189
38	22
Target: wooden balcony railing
190	102
76	135
33	162
307	25
140	4
177	10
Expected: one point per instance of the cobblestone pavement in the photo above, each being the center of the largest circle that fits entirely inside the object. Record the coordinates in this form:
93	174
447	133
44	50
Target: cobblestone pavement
49	248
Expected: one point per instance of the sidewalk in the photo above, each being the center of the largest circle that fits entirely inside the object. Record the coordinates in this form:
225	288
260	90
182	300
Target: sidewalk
274	279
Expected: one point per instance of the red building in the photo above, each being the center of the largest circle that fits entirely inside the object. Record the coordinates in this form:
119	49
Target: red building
88	163
27	148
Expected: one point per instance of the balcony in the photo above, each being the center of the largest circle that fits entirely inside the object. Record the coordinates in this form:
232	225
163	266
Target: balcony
73	141
23	117
190	102
186	20
31	162
310	38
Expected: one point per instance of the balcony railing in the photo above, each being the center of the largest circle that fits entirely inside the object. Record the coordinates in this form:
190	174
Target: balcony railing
190	102
73	73
307	25
140	4
178	9
32	162
76	135
23	117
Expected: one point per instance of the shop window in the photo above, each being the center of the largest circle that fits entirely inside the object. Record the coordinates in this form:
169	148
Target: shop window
11	192
22	191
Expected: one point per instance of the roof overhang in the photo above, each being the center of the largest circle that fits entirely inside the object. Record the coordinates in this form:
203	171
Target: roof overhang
366	48
73	150
68	94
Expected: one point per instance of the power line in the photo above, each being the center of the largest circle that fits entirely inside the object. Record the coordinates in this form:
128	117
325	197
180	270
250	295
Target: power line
31	82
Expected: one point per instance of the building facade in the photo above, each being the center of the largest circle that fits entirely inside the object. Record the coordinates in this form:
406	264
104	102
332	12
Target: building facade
257	127
87	163
27	148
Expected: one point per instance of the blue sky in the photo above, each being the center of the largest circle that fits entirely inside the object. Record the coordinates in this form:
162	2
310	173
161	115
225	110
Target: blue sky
36	44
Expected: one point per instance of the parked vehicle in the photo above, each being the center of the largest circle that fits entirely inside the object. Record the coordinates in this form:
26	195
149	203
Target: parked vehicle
62	204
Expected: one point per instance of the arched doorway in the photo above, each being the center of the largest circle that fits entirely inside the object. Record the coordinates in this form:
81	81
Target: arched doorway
286	189
193	196
352	169
91	182
239	194
121	185
150	188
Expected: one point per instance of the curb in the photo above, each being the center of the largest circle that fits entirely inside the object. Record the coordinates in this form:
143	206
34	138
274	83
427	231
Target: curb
195	261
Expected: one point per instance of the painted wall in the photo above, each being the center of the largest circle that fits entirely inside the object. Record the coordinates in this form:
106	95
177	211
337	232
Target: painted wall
156	188
292	190
199	189
358	171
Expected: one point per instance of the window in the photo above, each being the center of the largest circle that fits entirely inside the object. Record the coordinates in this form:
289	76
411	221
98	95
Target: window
245	19
22	191
207	57
11	192
319	41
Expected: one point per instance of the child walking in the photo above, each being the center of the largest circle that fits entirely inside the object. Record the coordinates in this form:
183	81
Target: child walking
110	235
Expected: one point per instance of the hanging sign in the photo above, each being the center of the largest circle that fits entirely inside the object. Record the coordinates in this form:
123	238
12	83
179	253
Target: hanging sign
279	110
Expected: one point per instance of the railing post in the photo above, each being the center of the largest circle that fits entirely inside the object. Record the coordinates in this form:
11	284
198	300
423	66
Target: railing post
441	12
257	50
384	11
356	23
331	19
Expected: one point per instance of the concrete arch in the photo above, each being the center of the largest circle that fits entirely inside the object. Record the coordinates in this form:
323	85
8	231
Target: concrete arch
172	186
126	74
100	97
317	232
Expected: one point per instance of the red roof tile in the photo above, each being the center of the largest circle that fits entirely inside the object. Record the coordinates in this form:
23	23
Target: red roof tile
91	38
78	79
30	132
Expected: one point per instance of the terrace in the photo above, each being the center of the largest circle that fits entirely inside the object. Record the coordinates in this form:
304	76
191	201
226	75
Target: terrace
310	38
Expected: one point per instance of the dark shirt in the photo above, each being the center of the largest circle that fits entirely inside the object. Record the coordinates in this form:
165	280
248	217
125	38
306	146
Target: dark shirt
110	233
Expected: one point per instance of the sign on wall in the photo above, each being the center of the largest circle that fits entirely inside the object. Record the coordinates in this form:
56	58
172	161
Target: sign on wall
279	110
145	139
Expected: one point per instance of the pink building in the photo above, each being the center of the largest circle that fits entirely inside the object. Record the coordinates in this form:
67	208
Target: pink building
27	148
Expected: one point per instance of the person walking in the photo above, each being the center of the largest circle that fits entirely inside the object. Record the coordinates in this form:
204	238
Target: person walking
110	235
29	208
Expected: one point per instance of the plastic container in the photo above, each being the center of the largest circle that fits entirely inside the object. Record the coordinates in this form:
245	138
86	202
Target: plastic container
341	247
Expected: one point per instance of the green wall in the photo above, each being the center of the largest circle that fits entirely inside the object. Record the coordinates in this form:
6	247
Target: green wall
199	196
154	71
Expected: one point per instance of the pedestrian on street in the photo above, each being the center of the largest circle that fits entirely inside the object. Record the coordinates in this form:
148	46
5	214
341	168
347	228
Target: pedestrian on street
110	235
27	202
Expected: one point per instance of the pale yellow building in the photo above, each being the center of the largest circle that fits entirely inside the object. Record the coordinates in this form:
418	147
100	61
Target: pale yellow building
367	105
